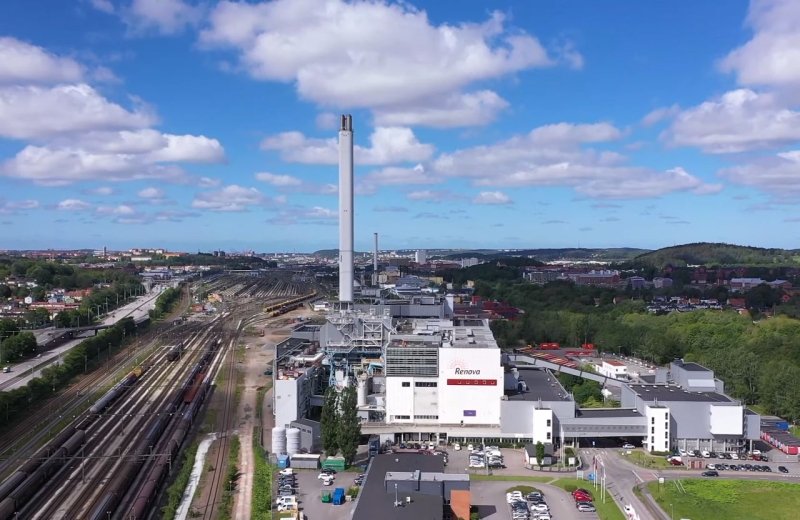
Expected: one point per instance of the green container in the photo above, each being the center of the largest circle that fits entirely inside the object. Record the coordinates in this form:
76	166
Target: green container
326	497
336	463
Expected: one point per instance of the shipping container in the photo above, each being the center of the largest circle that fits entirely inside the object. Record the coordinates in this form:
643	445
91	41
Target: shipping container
336	463
305	461
588	346
338	496
283	461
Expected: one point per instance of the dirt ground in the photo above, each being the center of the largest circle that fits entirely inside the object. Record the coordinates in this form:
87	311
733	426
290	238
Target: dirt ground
258	355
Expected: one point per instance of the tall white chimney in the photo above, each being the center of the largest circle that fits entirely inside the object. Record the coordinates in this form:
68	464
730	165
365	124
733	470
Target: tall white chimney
375	263
346	209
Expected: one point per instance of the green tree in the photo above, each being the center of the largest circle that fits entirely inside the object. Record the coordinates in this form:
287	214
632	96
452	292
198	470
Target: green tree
349	426
329	422
540	452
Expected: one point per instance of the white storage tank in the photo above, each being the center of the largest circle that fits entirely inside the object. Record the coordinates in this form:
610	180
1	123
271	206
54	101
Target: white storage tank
362	392
279	440
293	441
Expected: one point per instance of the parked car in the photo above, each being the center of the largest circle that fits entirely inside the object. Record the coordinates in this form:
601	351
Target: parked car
585	507
457	447
676	462
628	446
286	471
710	473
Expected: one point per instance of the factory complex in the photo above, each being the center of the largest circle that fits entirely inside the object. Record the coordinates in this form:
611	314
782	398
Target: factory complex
423	373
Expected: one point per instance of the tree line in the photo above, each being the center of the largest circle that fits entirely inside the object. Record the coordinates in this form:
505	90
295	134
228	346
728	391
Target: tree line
339	424
16	402
164	303
757	357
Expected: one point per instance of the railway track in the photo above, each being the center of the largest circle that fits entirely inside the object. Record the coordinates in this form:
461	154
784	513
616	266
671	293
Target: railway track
17	441
18	444
216	482
79	488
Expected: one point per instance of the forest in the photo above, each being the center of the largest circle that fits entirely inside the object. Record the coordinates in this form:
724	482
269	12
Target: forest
715	254
757	357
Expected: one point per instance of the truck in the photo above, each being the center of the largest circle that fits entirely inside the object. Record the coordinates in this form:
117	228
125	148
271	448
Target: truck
374	445
338	496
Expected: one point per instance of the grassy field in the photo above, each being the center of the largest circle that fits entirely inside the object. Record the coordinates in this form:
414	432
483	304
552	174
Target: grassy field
641	458
729	499
523	489
607	511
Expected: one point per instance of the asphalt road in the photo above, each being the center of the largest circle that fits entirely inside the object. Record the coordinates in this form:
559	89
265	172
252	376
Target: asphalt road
622	476
32	368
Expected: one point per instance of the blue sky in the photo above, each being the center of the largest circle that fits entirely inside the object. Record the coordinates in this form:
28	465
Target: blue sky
194	125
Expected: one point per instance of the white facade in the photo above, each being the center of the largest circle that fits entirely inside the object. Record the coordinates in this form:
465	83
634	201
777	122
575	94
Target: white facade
613	369
727	420
421	256
658	428
412	399
470	385
542	425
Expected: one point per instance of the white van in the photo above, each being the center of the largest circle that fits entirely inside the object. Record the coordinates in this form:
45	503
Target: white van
285	500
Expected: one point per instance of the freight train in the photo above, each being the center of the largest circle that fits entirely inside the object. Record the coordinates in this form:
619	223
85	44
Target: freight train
31	477
284	307
183	407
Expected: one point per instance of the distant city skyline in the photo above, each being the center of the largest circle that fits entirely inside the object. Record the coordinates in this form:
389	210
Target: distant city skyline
204	125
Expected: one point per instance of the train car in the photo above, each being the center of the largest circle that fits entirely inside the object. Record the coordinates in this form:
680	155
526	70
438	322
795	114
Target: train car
175	352
7	509
115	392
192	391
11	484
34	482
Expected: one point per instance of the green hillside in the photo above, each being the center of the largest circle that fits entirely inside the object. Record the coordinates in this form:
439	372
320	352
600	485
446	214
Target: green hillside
546	255
705	253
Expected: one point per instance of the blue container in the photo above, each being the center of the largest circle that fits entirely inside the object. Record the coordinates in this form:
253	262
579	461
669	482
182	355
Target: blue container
283	461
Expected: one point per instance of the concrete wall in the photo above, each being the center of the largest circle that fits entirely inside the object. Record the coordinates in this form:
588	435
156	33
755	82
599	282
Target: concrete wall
543	425
286	402
658	428
516	417
310	435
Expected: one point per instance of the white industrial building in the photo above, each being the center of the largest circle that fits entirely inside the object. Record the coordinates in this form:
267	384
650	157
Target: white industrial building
421	256
423	375
613	368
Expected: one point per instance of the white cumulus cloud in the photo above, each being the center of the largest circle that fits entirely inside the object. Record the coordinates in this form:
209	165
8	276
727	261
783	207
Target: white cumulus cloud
151	193
386	56
22	62
491	197
234	198
739	121
772	56
73	205
388	145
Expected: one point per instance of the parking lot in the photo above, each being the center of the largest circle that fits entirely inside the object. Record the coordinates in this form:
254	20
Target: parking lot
490	497
309	494
458	462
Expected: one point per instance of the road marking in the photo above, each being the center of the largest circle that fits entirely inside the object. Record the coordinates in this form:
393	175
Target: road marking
640	479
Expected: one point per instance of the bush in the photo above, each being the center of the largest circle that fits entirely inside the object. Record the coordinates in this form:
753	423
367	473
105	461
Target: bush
353	491
474	516
569	488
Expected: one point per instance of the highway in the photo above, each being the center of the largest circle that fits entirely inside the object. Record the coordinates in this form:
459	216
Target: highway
22	373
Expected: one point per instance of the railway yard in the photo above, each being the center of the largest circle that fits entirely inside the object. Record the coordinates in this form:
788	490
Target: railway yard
109	445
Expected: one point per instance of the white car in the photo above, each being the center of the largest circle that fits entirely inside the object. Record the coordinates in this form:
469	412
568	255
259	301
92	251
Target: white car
323	476
540	507
755	452
734	456
457	447
706	455
470	447
286	471
628	447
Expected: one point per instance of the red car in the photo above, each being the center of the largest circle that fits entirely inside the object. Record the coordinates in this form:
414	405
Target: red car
581	497
675	462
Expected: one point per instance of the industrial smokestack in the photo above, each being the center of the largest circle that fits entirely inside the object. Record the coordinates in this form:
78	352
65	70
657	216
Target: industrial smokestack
375	263
346	210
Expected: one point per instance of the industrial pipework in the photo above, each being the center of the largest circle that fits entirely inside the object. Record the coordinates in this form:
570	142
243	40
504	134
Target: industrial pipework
346	230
